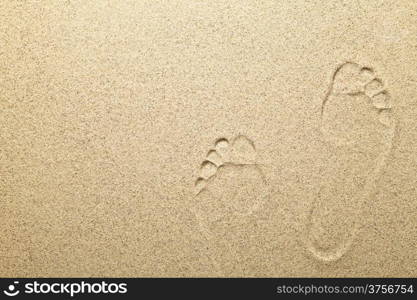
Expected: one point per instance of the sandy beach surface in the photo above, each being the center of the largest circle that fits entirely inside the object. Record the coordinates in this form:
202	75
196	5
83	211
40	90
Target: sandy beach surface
208	138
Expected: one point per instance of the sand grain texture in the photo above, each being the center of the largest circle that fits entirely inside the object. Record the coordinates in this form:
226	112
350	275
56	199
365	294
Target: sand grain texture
208	138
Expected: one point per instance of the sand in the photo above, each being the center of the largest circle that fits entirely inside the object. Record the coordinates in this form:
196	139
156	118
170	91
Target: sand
208	138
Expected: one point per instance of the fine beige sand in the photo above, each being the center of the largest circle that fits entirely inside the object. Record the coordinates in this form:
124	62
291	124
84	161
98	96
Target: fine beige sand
208	138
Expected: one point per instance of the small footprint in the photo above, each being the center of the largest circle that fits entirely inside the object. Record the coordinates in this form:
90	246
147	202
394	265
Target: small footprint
358	129
231	186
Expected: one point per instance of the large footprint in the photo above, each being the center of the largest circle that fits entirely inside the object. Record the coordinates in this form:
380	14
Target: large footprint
358	129
231	187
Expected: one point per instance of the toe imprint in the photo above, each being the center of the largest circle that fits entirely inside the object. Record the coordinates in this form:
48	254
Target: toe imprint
208	169
354	101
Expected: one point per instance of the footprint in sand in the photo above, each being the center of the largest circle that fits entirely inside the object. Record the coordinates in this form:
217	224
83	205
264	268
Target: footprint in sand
231	186
358	129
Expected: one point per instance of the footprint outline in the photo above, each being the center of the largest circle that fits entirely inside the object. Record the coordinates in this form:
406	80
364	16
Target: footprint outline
371	88
224	153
